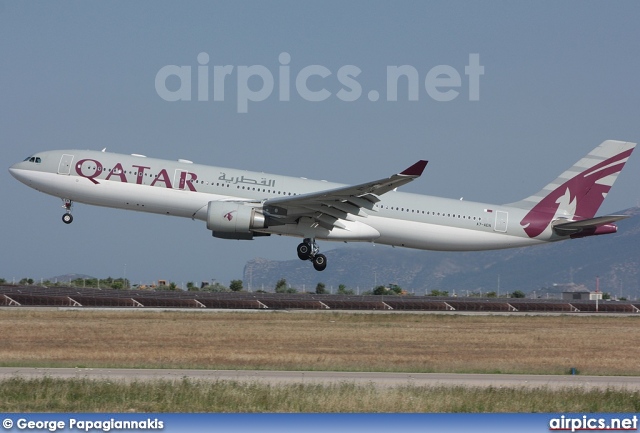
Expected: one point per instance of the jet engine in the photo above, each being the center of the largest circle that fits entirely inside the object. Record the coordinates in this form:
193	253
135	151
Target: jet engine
235	220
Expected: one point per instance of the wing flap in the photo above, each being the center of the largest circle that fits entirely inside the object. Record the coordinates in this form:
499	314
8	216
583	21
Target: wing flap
347	207
363	202
322	209
328	221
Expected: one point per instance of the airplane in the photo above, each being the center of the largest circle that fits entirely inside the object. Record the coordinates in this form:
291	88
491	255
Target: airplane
238	204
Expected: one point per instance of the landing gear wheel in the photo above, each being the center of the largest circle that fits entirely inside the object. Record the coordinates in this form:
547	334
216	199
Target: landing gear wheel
67	218
308	250
320	262
304	251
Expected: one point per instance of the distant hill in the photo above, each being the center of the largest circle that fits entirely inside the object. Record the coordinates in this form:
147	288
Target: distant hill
615	259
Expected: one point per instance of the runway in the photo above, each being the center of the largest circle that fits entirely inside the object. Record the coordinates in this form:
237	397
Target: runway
330	377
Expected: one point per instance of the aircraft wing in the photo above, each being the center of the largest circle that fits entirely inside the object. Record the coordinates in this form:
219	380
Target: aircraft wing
573	227
329	206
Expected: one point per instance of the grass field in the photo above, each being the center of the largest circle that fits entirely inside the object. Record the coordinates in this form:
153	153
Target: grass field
600	345
82	395
326	341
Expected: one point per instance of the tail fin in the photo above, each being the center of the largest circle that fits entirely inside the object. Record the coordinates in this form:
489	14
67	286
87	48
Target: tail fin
578	192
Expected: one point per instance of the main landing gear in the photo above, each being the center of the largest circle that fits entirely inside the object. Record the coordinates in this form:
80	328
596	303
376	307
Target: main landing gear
308	250
67	218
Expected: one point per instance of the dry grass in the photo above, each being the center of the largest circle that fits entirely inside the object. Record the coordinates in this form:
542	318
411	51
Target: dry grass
84	395
328	341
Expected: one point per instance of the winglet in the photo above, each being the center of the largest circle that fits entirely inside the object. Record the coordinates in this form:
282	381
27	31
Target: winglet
416	169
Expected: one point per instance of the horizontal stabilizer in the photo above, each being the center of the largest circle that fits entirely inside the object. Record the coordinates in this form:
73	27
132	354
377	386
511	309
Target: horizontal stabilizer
573	227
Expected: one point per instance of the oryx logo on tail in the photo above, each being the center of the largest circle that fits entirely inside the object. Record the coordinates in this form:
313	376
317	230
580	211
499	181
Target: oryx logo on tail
581	195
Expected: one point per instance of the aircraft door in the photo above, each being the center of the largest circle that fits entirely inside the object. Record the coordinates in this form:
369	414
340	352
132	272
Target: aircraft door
179	179
65	164
502	218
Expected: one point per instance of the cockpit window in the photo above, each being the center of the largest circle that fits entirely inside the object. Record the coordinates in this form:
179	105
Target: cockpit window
35	159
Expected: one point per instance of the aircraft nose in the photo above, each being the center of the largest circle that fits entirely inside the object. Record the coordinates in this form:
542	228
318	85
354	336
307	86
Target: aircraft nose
17	171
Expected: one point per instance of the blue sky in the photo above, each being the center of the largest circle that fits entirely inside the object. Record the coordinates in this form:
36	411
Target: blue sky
559	78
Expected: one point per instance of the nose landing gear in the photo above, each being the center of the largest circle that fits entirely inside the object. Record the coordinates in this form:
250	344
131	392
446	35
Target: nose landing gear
67	218
308	250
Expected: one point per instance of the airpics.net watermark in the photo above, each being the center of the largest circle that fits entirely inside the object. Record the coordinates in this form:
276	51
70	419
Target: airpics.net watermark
256	83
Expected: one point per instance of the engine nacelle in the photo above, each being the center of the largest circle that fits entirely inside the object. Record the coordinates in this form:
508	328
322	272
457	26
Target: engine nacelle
233	220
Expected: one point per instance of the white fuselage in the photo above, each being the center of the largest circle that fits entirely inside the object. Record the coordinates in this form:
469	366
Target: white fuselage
184	189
